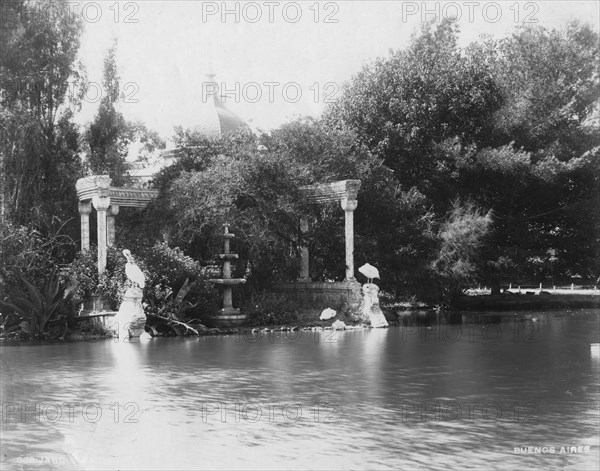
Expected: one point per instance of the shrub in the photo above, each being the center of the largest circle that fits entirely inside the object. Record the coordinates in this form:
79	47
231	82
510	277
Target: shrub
24	252
461	238
84	280
38	306
271	309
167	271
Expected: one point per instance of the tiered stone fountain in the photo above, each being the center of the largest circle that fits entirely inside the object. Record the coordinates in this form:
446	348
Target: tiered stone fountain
229	315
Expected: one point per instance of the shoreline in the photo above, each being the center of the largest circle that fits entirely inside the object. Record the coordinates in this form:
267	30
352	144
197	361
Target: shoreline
284	330
308	320
527	301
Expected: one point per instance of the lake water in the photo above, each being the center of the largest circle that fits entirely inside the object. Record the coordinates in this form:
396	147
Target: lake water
432	396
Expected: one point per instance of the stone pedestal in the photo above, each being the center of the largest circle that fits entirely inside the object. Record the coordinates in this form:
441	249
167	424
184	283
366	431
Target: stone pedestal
370	308
131	319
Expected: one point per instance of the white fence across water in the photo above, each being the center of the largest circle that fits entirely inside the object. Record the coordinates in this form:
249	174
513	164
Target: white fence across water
537	289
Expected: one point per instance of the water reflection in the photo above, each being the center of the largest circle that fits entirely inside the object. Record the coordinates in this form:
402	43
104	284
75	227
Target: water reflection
437	392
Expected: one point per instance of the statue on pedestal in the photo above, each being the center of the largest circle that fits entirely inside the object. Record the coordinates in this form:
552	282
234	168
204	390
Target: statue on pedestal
131	318
370	306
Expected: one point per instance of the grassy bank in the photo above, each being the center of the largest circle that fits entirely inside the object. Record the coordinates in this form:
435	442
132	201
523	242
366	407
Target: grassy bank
516	302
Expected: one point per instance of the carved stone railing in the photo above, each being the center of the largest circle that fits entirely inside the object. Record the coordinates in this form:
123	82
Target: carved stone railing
328	192
99	186
96	190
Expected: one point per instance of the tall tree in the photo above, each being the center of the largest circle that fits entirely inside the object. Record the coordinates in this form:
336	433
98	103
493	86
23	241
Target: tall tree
38	143
462	237
404	105
542	178
109	135
254	183
512	124
549	81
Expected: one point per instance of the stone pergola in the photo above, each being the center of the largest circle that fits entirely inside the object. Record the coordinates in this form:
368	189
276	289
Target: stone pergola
324	294
346	192
96	191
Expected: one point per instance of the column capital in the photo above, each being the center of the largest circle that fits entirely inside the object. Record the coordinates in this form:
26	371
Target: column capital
303	225
85	207
101	203
113	210
349	204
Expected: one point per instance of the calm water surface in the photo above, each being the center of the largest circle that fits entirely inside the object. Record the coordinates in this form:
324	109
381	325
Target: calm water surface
429	397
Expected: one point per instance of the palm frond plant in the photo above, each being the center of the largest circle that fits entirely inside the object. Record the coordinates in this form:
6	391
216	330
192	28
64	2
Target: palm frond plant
38	307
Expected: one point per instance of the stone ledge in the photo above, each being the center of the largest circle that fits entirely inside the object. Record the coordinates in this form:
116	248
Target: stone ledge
99	185
311	294
328	192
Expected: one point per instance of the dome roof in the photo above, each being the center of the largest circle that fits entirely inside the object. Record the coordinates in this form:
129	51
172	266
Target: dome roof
215	119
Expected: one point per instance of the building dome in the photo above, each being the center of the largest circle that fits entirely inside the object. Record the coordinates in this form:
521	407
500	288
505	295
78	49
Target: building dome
214	118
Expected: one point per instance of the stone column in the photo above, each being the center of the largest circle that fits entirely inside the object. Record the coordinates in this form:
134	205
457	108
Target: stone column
304	255
113	210
349	205
101	203
85	208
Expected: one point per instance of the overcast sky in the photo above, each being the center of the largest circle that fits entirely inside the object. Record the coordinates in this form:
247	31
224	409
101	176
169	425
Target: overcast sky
276	60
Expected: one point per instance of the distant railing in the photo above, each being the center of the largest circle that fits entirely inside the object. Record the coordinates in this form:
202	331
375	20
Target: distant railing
537	289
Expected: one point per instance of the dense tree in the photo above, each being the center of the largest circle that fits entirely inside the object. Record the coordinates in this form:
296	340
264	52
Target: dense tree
549	81
148	141
547	130
254	183
109	135
406	104
462	236
39	145
511	124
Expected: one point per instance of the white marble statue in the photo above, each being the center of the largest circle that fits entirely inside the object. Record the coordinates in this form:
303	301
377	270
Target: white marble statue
130	319
370	308
369	271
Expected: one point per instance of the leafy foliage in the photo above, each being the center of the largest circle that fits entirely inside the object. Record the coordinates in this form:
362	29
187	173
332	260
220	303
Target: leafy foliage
168	271
39	161
462	236
254	183
84	280
172	307
510	124
271	309
38	306
107	134
26	252
549	81
402	106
